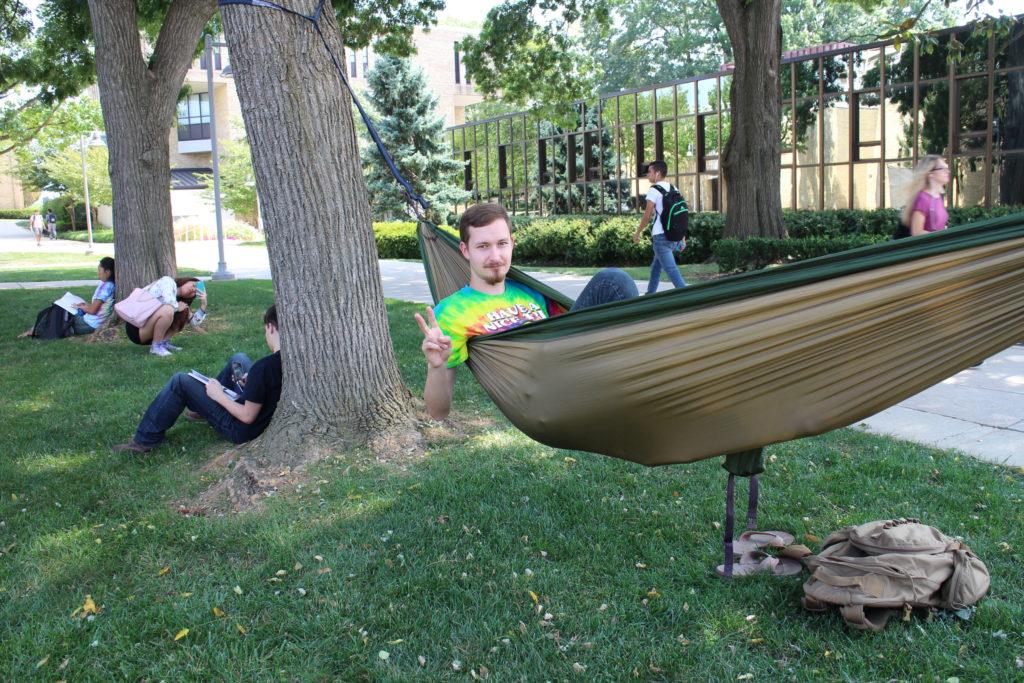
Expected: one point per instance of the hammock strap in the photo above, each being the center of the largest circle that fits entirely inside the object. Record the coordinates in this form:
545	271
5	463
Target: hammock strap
752	504
418	203
730	494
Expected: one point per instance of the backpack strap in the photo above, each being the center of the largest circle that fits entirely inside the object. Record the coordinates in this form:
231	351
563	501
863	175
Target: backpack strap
869	619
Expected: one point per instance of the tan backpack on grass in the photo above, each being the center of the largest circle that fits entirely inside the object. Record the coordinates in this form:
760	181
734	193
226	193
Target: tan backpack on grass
871	570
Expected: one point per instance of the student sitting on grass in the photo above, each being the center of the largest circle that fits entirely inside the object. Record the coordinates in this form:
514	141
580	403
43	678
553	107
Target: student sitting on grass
258	385
93	314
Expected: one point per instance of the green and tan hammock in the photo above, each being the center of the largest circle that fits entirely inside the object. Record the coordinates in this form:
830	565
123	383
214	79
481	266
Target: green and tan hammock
753	359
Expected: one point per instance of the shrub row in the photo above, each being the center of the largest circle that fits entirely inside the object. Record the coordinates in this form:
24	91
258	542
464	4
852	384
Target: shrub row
600	240
758	252
16	214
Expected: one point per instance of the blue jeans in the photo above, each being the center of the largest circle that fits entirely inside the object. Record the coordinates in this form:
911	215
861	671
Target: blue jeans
608	285
664	259
183	392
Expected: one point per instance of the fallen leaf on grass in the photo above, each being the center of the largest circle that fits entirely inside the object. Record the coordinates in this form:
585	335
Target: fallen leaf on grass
422	660
653	593
89	607
318	558
811	538
578	668
180	634
241	629
186	595
218	612
744	677
42	662
297	567
396	641
384	655
756	641
163	571
237	590
533	596
324	570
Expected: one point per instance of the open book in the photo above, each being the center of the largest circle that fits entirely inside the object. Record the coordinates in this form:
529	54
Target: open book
196	375
68	301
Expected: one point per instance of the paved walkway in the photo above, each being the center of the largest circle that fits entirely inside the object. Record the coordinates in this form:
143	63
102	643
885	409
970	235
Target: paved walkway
979	411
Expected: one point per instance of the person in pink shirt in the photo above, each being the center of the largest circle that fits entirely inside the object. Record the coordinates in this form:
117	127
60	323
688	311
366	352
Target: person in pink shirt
925	210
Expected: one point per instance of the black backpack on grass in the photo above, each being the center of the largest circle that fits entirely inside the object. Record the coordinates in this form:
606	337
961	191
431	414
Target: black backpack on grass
53	322
675	215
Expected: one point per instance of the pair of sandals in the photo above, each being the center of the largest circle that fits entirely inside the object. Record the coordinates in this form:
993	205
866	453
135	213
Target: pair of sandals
748	551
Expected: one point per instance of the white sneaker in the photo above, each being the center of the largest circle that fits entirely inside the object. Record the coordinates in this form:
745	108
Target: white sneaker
171	347
159	350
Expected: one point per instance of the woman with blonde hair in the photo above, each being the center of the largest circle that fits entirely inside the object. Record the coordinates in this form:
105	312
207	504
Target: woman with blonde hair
924	208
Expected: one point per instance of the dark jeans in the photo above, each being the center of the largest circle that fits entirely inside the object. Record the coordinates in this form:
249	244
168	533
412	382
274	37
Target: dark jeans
80	326
608	285
183	392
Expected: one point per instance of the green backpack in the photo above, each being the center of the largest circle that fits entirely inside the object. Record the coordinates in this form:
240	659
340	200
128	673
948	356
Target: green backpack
872	570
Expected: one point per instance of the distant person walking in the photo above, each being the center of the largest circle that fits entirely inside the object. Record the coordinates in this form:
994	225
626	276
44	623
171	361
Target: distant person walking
664	249
924	207
36	224
51	224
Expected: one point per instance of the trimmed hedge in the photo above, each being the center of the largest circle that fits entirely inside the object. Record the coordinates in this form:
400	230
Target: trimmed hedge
16	214
758	252
396	240
601	240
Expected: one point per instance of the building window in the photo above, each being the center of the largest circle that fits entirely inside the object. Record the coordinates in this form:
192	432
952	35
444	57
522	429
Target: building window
194	117
366	61
458	65
352	64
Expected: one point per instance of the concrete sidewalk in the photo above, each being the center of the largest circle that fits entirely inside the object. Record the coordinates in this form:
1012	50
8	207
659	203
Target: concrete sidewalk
979	411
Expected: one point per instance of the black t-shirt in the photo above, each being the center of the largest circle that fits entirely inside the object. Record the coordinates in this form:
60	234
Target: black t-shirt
263	386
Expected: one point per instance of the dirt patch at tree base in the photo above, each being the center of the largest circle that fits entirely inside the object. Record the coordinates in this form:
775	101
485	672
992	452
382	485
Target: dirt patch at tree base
274	464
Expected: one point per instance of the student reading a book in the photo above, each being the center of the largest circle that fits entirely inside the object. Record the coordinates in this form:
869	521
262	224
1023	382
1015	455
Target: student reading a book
87	317
202	398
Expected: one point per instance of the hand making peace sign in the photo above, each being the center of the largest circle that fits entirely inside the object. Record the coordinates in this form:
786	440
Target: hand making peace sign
437	346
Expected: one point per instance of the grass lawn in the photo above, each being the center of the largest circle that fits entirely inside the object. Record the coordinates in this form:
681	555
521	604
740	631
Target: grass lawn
458	558
32	267
99	234
692	272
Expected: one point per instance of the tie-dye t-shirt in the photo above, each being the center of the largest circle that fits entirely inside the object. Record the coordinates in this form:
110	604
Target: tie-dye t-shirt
105	293
468	313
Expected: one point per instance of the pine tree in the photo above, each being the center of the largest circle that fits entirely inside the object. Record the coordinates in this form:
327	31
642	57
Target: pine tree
411	129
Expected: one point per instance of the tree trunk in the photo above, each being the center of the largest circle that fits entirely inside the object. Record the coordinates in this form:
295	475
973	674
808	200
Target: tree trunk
1011	176
751	161
341	380
138	101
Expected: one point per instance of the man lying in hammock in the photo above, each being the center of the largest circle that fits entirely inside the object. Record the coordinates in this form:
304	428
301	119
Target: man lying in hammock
490	303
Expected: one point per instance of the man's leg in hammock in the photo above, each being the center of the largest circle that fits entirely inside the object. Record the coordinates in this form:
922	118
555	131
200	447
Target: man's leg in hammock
608	285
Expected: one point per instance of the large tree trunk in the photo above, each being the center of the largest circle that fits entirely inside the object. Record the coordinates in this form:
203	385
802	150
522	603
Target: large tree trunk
341	381
1011	176
138	100
751	161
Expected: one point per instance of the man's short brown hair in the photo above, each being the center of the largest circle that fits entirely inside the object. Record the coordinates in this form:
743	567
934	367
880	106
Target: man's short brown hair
480	215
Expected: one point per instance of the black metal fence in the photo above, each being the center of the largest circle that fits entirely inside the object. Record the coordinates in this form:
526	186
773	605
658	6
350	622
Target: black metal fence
849	114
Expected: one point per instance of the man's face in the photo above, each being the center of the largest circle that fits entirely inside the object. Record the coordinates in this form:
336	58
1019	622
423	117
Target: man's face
489	251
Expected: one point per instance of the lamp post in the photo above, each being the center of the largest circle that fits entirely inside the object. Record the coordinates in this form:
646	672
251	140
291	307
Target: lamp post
222	267
95	140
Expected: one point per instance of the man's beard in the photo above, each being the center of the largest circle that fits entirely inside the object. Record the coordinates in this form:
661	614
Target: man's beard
494	275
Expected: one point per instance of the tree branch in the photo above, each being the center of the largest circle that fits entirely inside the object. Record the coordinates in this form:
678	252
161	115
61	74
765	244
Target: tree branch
177	41
53	110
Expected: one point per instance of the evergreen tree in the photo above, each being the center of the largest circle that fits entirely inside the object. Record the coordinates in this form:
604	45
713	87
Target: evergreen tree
412	132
